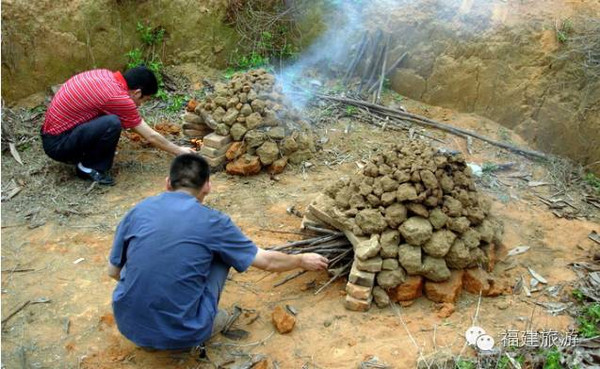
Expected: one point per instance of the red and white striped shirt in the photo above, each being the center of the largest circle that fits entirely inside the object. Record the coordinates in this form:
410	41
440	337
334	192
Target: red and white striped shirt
89	95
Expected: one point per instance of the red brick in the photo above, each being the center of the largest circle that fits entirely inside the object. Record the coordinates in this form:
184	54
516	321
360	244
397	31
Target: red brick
283	320
475	280
236	150
244	166
447	291
411	289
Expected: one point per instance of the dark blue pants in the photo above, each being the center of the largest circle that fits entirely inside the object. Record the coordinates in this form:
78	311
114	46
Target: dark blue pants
92	143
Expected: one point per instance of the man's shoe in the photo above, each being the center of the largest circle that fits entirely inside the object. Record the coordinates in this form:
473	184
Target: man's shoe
95	176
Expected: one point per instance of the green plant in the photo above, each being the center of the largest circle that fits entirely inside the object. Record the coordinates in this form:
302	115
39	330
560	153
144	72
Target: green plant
351	110
177	102
505	363
488	167
398	97
592	180
563	30
146	54
578	295
553	358
465	364
589	321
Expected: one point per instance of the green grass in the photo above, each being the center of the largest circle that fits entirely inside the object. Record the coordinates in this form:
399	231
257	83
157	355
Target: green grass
592	180
589	321
578	295
553	357
351	110
465	364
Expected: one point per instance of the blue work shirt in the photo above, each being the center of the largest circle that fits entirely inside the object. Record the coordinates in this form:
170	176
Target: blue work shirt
165	246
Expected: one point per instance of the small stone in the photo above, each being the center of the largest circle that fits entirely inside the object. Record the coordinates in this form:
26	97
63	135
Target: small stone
381	297
371	221
447	291
230	116
429	179
368	248
246	110
395	215
409	257
416	230
406	192
283	320
276	133
389	241
390	278
254	120
460	224
390	264
278	166
268	152
437	218
255	138
439	243
435	269
418	209
300	156
237	131
452	207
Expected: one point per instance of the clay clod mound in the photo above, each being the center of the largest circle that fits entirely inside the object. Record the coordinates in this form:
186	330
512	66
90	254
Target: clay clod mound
411	211
254	113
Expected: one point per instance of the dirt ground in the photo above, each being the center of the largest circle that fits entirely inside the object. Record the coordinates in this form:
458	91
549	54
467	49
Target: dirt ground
60	253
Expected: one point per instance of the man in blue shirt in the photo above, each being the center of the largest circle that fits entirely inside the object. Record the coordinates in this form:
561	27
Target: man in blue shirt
171	256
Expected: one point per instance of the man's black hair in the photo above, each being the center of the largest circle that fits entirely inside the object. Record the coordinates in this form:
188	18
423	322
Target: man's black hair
189	171
143	78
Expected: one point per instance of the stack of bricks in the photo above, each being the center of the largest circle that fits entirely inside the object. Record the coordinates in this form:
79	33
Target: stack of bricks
416	222
252	110
213	149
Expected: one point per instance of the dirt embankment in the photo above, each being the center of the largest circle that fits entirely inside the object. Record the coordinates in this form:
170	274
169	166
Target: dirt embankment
502	60
45	42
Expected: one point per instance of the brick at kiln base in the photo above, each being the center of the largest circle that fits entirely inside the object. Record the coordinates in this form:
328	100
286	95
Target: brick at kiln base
216	141
357	305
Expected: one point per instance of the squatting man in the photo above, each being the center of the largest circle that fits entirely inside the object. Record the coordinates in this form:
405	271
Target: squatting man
171	255
83	123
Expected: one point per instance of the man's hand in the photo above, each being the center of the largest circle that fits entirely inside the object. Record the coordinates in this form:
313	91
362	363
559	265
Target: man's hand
275	261
313	261
186	150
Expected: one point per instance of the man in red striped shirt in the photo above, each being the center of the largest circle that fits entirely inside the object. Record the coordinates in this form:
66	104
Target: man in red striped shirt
85	118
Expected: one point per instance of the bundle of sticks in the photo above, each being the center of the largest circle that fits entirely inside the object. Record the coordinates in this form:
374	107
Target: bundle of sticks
370	64
330	243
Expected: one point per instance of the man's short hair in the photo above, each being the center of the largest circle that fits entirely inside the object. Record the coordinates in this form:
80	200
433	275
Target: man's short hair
141	78
189	171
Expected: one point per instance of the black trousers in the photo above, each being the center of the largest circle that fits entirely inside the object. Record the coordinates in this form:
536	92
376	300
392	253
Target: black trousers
92	143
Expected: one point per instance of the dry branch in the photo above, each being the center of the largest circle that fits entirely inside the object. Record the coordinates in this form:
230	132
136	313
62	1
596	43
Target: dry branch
417	119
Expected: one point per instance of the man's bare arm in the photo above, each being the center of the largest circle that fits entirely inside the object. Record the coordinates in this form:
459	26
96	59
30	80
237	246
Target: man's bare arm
275	261
159	141
113	271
